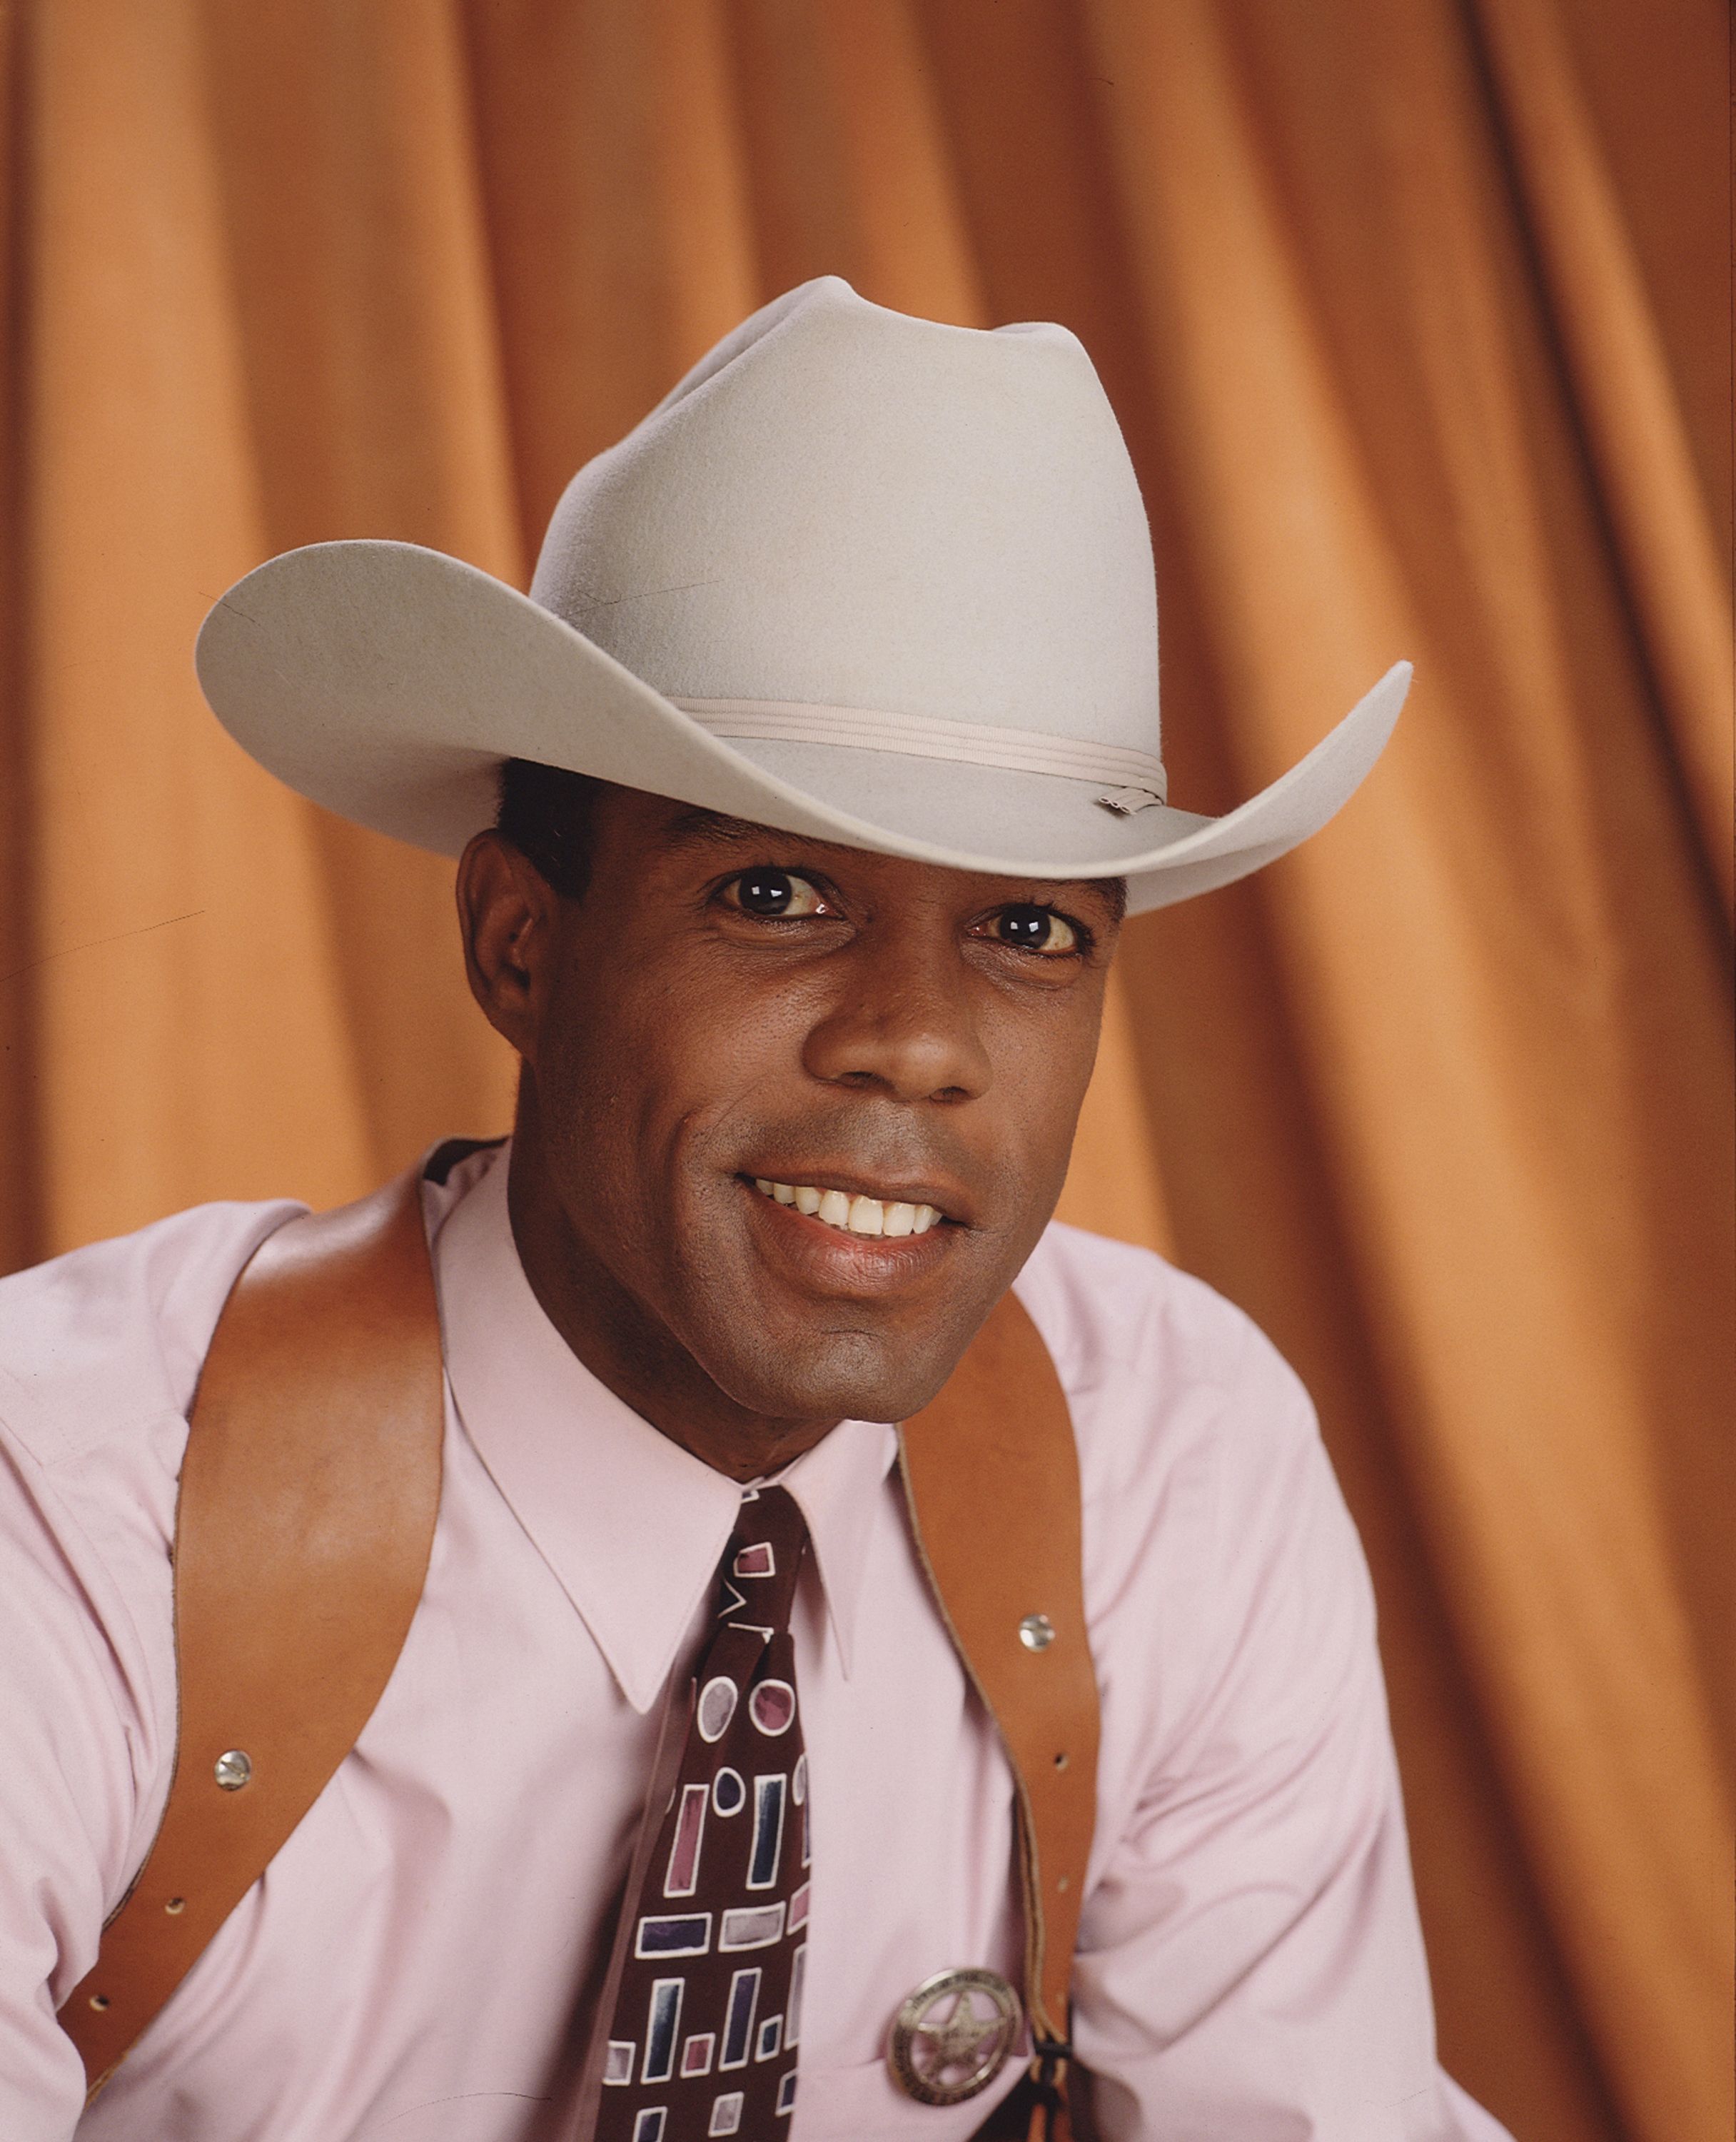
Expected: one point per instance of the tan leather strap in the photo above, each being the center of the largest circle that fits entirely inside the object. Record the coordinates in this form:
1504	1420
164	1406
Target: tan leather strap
308	1495
992	1474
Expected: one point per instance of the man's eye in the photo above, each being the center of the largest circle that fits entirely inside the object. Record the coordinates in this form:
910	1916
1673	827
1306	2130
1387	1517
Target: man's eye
1034	929
774	892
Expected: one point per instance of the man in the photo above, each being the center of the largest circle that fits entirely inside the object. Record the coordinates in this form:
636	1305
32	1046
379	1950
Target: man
823	763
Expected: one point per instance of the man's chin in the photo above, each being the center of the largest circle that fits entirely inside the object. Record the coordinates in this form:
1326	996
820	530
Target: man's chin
796	1321
828	1375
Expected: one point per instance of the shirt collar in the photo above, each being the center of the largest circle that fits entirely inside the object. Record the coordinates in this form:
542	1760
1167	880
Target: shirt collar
632	1526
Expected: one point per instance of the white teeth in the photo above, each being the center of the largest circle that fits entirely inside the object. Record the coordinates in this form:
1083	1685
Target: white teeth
855	1216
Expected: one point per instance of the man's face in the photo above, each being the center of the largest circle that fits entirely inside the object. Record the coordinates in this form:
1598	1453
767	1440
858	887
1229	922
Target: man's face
729	1008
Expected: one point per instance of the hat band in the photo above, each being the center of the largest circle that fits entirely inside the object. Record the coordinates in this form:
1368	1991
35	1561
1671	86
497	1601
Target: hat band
1136	779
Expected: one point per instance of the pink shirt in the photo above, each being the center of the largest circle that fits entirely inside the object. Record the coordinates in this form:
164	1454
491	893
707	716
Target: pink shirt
421	1960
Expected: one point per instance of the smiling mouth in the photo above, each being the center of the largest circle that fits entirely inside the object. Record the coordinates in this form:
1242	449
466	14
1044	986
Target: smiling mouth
852	1216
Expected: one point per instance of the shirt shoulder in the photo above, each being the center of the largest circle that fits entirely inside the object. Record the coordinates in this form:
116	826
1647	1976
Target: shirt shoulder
1146	1352
1202	1471
111	1336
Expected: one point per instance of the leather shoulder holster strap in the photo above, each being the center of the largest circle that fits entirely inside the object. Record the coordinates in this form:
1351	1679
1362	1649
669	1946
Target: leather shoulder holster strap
308	1496
992	1474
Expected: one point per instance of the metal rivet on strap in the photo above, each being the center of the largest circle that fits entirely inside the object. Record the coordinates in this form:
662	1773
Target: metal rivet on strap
99	2001
1035	1632
175	1906
234	1767
1062	1759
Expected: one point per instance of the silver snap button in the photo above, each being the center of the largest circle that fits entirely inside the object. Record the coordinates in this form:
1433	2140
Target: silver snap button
232	1768
1035	1632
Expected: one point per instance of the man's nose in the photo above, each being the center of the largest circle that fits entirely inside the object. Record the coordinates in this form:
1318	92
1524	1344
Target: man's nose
903	1022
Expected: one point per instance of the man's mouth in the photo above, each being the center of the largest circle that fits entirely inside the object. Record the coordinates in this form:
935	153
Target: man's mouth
851	1215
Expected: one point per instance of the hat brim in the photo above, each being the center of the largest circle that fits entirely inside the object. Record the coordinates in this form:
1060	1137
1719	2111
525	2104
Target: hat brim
387	683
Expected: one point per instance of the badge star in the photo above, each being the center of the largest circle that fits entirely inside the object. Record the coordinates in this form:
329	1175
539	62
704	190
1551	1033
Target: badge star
961	2041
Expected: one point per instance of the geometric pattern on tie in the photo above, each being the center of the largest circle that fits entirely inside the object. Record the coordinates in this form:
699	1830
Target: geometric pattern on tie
707	2022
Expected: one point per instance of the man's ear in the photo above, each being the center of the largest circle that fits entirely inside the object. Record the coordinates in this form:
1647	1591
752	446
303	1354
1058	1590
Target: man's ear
507	912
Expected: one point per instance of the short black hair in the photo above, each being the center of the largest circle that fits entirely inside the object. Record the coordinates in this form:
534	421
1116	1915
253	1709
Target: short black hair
546	813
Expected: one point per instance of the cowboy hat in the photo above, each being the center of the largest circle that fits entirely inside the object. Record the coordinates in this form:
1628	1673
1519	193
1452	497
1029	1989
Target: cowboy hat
858	576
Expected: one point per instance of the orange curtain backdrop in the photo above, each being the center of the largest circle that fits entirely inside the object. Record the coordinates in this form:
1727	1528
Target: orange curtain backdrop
1415	316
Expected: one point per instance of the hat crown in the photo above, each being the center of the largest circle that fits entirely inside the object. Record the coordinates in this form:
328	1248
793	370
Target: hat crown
844	506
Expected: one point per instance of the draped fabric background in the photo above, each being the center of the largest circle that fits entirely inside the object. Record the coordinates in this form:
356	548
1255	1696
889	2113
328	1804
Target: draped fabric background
1414	312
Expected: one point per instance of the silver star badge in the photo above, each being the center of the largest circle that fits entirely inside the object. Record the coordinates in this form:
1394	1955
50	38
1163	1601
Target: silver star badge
952	2035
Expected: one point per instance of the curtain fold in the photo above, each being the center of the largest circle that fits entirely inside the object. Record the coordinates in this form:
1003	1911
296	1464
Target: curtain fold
1416	320
1662	521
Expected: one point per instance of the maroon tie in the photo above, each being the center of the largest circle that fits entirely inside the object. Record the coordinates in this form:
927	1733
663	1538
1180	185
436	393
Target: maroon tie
709	2017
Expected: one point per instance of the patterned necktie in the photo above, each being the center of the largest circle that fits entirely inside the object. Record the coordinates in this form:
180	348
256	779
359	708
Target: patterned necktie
708	2019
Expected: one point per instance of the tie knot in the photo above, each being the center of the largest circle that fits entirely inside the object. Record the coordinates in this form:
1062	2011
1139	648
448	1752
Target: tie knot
765	1552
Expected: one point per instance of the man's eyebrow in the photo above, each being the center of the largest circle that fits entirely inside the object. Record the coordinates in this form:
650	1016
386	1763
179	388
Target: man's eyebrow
1114	890
713	829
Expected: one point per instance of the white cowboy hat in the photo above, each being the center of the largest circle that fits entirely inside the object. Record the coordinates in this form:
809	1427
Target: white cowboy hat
858	576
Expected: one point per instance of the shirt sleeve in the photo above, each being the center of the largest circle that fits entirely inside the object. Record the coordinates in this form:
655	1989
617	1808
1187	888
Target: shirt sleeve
1251	1962
68	1805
